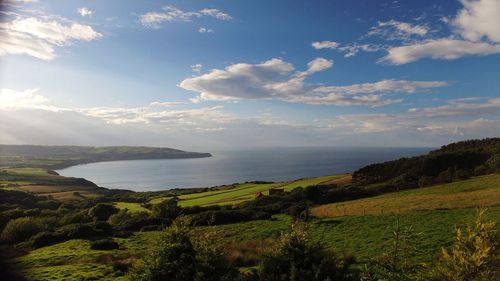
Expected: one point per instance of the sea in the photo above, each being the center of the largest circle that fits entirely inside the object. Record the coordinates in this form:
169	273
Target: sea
233	166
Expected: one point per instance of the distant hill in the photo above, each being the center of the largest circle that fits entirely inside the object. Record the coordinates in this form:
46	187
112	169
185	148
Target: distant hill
456	161
58	157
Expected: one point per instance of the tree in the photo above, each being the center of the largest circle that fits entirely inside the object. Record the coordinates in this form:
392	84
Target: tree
396	264
296	258
472	255
176	257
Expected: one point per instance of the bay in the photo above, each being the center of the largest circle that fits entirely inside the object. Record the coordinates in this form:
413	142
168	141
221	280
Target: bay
231	166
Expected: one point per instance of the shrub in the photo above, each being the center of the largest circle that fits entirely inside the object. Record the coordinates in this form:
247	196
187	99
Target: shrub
126	220
296	258
104	244
20	229
78	231
472	255
395	265
167	209
102	212
176	258
43	239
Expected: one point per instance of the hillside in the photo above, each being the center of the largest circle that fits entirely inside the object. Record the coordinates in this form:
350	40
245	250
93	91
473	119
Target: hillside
456	161
58	157
475	192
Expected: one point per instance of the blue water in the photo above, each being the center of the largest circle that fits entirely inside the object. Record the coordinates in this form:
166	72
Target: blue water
225	167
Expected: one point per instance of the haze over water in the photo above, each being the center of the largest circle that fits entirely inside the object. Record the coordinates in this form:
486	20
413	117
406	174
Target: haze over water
226	167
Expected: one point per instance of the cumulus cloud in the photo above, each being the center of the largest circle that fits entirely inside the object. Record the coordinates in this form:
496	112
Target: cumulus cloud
28	98
479	19
445	49
476	33
85	12
172	13
38	37
397	30
277	79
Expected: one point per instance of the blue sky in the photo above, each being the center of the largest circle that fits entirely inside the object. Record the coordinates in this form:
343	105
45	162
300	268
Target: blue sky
201	74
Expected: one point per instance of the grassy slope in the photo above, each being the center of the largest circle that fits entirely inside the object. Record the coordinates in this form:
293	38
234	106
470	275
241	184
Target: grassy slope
480	191
132	207
364	236
242	192
43	182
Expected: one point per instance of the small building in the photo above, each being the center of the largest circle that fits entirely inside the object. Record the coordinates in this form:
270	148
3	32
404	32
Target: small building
258	195
276	191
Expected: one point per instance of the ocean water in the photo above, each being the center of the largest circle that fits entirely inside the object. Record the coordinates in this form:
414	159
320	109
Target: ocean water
226	167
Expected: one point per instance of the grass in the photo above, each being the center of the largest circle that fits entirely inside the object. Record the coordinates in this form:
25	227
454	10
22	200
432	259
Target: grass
479	191
238	193
132	207
43	182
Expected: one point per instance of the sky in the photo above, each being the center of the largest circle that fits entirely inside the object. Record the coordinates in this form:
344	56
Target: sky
239	74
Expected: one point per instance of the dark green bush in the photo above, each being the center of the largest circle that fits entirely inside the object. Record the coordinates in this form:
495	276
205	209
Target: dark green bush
296	258
104	244
102	212
44	238
176	257
20	229
79	231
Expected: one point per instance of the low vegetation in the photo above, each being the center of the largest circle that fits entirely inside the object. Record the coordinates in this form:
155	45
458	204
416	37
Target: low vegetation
325	228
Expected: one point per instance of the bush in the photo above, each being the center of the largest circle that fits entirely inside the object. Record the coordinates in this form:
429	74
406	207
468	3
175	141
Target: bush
126	220
296	258
102	212
176	258
43	239
20	229
166	209
472	255
79	231
104	244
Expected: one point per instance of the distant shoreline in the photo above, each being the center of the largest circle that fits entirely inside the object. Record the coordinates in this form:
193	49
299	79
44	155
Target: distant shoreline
61	157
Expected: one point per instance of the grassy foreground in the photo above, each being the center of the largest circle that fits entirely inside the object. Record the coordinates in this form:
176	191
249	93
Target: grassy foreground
364	236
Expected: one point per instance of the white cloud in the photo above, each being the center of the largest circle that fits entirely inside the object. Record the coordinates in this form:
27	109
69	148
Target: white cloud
350	49
171	13
476	34
28	98
325	45
277	79
216	14
479	19
166	103
460	108
198	119
85	12
397	30
197	67
205	30
446	49
38	37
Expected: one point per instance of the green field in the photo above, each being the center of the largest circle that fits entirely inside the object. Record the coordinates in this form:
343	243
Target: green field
238	193
132	207
364	236
479	191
